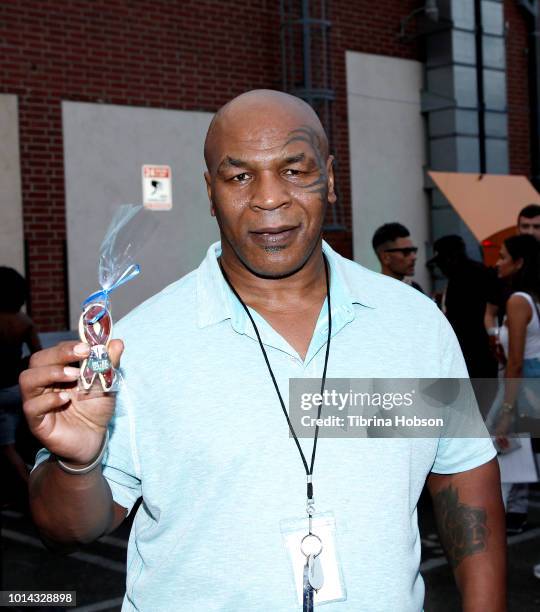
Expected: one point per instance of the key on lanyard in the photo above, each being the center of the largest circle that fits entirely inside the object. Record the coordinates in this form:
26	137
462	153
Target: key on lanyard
309	591
311	547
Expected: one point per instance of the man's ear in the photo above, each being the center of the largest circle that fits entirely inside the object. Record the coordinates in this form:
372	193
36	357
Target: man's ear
330	180
208	182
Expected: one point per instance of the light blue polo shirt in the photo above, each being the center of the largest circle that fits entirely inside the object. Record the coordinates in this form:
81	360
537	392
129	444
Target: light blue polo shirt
199	434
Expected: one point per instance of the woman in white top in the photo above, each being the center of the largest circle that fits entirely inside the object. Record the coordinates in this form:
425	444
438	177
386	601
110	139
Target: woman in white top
519	264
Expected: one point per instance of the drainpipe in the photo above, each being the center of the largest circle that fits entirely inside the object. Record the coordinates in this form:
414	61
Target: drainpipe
480	86
533	22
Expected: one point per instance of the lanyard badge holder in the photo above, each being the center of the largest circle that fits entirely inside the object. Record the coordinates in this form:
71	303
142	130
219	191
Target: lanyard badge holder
129	229
314	560
316	568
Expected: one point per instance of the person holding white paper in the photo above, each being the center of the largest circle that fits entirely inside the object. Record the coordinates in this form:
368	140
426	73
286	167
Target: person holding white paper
519	264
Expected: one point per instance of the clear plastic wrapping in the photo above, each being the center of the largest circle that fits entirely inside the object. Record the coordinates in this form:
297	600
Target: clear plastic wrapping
130	228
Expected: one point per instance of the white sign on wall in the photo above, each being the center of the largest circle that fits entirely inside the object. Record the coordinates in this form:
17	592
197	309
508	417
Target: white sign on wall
157	187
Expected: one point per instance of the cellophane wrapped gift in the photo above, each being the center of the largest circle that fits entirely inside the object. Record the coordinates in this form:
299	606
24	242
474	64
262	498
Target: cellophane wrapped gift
129	230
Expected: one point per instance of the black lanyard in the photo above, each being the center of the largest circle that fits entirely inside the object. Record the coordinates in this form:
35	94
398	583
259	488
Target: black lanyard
309	470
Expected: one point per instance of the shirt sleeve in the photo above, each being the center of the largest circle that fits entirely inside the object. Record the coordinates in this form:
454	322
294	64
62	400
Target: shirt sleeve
120	464
458	454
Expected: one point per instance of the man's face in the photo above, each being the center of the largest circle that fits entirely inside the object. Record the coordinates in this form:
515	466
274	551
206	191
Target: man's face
269	186
400	256
529	226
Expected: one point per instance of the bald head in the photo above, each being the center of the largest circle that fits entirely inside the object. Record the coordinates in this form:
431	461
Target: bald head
259	115
269	182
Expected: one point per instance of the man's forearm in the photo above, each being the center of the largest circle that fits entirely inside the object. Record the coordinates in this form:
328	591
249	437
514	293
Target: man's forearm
69	509
480	566
470	517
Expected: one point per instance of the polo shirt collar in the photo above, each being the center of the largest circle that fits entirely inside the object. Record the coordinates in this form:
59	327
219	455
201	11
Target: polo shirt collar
216	302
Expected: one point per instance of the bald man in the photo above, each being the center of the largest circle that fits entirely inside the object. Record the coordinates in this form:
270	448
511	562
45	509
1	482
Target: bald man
199	429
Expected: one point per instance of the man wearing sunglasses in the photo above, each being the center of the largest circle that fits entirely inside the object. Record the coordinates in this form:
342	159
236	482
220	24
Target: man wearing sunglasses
394	248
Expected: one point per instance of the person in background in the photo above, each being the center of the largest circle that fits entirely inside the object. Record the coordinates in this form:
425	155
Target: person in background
394	248
528	223
16	330
519	264
464	302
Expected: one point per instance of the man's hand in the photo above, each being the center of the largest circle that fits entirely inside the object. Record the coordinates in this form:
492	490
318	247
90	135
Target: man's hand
68	423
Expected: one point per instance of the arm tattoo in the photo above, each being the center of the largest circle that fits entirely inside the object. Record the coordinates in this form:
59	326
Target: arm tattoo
462	528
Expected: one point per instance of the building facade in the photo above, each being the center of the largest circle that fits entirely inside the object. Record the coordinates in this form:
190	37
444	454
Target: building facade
89	91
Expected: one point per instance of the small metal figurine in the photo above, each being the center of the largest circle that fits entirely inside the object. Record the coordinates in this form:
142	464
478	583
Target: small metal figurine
95	328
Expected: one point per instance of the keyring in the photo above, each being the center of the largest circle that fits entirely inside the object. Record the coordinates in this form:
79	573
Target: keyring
314	554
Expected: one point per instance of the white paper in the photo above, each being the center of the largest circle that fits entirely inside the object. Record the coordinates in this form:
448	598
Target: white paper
519	465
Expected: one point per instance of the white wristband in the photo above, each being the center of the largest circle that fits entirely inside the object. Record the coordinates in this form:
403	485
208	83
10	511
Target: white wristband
492	331
88	468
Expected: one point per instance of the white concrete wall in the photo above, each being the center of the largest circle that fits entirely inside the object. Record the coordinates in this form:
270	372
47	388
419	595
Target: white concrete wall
386	138
104	149
11	219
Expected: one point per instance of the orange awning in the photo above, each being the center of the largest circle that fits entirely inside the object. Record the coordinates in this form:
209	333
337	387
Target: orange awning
487	203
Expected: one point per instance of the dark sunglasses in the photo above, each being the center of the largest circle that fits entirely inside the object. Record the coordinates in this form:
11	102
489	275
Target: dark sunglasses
405	250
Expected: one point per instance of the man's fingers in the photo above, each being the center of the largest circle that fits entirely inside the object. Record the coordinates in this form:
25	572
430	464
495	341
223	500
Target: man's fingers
38	407
50	367
115	349
33	381
63	353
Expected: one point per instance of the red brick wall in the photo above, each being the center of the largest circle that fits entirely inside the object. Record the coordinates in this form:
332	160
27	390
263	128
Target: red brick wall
368	27
517	87
181	54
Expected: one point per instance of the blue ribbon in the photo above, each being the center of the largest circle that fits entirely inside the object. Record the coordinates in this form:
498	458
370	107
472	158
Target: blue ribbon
103	294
